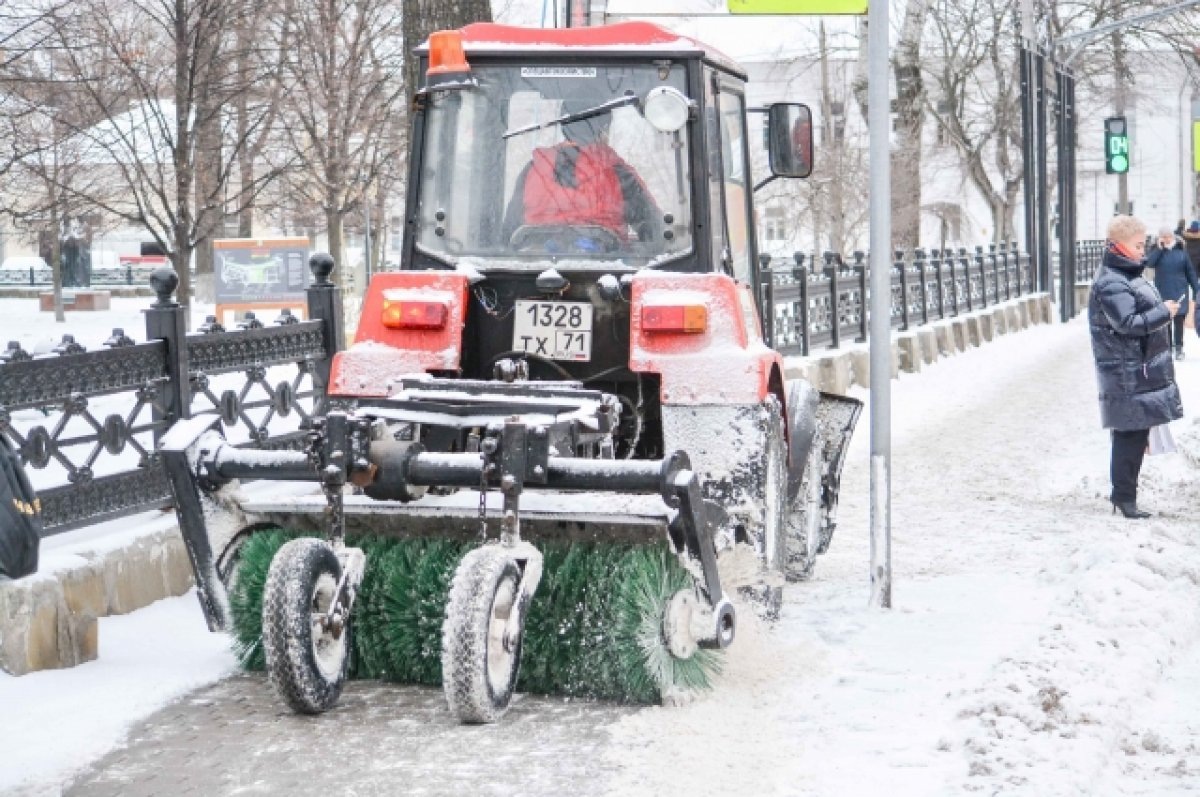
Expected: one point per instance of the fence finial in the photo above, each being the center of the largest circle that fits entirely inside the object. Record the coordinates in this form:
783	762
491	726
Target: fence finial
321	265
164	281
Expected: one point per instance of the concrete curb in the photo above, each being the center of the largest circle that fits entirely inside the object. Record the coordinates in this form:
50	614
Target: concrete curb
49	620
836	371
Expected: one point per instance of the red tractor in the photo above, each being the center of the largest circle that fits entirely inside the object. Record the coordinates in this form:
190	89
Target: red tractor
575	334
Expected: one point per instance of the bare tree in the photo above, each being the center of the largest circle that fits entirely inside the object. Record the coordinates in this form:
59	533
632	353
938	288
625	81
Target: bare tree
976	103
153	71
343	105
36	163
910	127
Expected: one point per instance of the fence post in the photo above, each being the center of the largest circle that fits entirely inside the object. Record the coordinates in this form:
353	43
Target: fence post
766	292
983	280
935	262
919	258
1021	283
165	321
995	261
800	273
325	304
1000	263
835	325
899	255
860	266
965	262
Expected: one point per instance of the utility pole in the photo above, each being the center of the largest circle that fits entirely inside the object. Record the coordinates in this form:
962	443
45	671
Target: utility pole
879	126
1119	110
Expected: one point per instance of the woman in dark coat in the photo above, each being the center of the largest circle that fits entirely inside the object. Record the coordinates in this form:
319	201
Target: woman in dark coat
1128	322
1173	275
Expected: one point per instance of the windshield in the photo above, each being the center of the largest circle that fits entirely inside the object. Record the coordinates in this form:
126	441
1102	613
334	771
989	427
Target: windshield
554	162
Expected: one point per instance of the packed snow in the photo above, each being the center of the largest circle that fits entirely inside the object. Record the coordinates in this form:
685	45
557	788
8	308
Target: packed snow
1038	644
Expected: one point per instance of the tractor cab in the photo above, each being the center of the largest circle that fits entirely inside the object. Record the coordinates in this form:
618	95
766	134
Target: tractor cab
605	149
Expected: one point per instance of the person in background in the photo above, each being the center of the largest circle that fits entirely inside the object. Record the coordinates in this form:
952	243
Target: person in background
1128	323
1191	243
1174	274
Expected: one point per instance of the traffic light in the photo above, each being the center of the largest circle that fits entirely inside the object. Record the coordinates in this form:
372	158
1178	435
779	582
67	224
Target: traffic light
1116	145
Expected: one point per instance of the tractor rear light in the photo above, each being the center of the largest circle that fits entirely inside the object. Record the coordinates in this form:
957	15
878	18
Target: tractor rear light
414	314
689	318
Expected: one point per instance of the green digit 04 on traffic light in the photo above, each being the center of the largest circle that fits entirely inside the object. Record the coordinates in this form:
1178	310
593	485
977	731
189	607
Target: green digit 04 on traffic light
1116	145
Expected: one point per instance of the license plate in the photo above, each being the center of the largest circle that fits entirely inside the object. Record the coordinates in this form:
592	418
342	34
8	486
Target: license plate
557	330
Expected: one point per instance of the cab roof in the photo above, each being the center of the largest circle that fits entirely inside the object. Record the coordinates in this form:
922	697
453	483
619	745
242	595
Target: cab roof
620	38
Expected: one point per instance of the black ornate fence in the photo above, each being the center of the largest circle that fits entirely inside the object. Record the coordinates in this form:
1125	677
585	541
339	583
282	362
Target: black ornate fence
99	277
1088	257
95	416
825	304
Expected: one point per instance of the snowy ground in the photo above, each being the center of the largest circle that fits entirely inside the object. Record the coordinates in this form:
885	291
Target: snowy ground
1038	645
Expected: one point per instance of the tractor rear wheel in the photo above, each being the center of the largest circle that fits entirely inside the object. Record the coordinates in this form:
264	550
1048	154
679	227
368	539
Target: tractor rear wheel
307	651
479	666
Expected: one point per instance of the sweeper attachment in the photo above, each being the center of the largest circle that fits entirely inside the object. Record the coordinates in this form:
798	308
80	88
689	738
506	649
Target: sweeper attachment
562	443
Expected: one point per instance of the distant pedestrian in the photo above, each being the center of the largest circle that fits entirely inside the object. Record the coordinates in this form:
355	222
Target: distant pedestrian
1174	274
1191	242
1128	322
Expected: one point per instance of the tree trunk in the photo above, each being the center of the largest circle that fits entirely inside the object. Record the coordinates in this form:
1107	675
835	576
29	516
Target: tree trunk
379	232
337	250
834	147
56	258
246	152
422	17
181	158
209	209
910	116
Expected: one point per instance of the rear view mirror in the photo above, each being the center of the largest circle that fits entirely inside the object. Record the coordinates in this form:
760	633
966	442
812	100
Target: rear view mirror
790	139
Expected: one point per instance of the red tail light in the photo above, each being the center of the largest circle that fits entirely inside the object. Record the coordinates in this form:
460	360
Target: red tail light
689	318
414	315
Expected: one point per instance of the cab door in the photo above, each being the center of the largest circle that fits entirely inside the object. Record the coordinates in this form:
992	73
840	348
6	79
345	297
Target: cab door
731	200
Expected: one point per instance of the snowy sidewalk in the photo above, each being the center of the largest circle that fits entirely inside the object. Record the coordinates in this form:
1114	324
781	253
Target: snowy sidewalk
1031	628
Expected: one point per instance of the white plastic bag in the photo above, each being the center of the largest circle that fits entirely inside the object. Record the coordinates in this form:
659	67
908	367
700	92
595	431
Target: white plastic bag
1161	441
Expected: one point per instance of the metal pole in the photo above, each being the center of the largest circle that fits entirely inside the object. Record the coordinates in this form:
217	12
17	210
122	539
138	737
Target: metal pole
879	122
1043	200
1028	153
1073	189
1065	285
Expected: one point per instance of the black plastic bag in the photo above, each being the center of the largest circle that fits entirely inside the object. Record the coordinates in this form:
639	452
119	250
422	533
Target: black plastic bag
20	516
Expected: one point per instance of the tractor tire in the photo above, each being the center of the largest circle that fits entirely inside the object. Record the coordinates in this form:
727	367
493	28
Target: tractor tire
479	675
305	663
805	520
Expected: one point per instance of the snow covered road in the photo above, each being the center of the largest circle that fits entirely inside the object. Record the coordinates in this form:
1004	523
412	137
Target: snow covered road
1038	645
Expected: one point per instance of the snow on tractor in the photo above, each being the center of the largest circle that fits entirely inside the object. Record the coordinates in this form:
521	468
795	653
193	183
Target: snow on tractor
559	447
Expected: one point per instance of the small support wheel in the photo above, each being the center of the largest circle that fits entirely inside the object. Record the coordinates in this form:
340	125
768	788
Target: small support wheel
479	665
307	643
